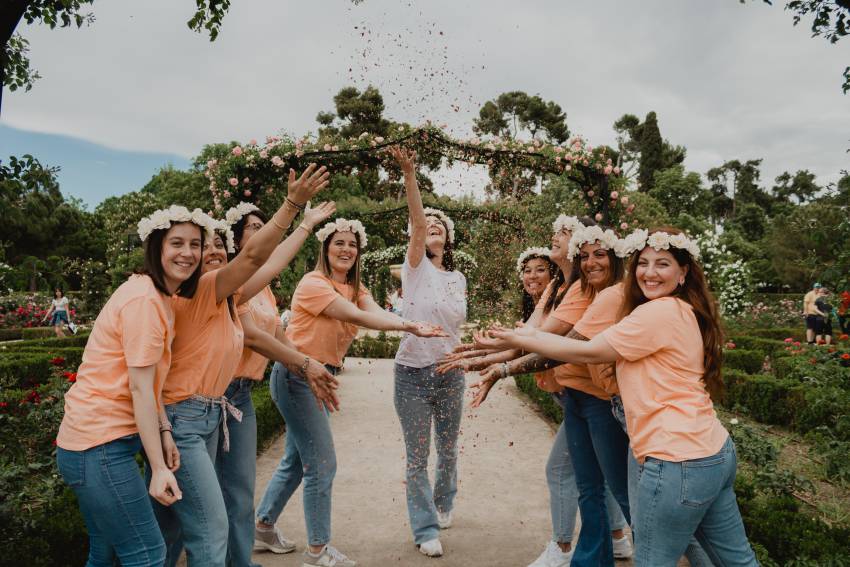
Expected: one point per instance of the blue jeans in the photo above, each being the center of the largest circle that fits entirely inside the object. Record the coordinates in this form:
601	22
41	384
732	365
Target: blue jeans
563	494
237	471
58	318
599	448
696	556
423	397
198	521
679	500
114	502
309	456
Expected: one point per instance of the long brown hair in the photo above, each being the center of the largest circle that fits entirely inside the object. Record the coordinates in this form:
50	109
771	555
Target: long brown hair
616	271
153	263
694	292
562	282
352	278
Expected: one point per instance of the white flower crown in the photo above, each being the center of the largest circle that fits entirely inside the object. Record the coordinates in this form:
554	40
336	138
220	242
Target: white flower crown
234	214
343	225
224	228
529	253
607	239
565	222
450	224
661	240
163	218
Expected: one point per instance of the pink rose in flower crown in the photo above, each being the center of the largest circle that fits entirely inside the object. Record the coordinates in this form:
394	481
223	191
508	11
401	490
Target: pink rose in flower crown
233	182
237	151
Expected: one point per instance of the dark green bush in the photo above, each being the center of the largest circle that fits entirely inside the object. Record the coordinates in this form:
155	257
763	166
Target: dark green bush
10	334
769	347
382	346
749	361
23	369
269	421
764	398
37	333
775	333
78	340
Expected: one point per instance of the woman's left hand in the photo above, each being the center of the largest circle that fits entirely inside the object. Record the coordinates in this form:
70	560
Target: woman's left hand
406	159
169	451
426	330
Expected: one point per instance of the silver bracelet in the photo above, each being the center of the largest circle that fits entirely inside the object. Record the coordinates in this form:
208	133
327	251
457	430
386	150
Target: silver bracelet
505	372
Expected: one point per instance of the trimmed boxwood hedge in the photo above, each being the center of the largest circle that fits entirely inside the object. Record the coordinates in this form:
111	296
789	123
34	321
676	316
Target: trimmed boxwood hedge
38	333
770	347
749	361
382	346
10	334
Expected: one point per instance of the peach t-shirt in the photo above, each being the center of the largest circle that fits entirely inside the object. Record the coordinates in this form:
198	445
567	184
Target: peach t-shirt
669	414
134	329
600	315
263	310
575	376
207	345
546	378
313	333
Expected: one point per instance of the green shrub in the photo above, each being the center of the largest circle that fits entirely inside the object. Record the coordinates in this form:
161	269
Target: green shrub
24	369
78	340
544	401
769	347
37	333
765	398
269	421
10	334
382	346
775	333
749	361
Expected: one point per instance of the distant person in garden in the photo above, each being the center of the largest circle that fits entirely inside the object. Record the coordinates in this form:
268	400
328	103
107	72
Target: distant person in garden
537	270
207	349
328	305
823	333
59	313
111	410
811	313
667	347
236	467
435	292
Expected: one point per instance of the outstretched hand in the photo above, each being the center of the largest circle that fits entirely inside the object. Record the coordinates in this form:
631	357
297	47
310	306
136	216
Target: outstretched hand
488	379
405	158
312	180
426	330
314	216
323	384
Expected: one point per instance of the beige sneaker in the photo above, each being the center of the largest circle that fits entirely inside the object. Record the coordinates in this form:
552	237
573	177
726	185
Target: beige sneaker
329	557
272	540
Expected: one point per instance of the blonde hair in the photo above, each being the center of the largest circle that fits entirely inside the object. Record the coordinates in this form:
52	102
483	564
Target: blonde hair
352	278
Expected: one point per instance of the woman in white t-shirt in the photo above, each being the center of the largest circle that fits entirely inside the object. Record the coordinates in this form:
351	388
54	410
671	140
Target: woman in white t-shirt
58	313
434	292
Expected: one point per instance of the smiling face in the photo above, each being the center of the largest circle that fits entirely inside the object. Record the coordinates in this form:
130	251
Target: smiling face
342	252
658	274
535	277
181	253
215	255
435	234
561	246
253	224
595	265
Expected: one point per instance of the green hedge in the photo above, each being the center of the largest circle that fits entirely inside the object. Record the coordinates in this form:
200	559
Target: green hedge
27	367
38	333
749	361
770	347
764	398
78	340
269	421
775	333
382	346
10	334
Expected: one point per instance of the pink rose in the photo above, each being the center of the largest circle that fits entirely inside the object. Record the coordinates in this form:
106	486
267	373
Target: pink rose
591	193
614	194
246	180
226	194
624	225
598	217
264	154
625	200
608	169
253	142
237	151
247	192
616	171
327	147
233	182
277	161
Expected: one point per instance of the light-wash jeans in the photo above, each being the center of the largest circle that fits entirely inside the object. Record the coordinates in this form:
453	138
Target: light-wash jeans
237	471
599	449
309	456
423	397
677	501
695	554
563	494
198	521
114	502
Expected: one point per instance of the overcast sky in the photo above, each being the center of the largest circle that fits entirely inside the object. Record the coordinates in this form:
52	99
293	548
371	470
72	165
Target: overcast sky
728	81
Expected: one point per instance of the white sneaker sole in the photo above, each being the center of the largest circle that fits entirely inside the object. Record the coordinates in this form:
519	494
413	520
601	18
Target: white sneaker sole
422	552
263	546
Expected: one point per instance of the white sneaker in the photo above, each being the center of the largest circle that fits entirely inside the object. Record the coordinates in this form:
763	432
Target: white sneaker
431	548
622	547
552	556
329	557
272	540
444	519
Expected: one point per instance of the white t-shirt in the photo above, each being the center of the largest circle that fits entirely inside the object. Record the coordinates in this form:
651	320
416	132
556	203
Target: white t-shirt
60	304
434	296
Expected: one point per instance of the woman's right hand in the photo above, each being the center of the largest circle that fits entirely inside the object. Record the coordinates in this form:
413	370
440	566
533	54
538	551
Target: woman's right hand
163	487
406	159
322	212
484	385
312	180
323	384
425	330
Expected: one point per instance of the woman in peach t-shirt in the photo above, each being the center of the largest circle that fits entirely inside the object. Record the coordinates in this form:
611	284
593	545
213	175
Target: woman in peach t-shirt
668	353
206	352
328	305
111	410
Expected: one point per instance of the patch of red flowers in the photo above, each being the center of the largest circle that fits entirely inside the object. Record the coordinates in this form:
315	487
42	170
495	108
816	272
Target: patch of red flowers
70	376
843	337
57	361
32	397
730	345
845	356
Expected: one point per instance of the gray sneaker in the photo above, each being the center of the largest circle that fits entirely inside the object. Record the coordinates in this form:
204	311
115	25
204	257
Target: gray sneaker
272	540
329	557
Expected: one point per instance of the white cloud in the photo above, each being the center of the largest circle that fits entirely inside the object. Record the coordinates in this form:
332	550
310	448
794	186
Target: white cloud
727	80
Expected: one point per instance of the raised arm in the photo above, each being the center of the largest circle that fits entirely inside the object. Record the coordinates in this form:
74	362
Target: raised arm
261	245
595	351
286	251
380	320
406	159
